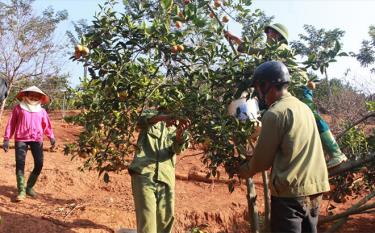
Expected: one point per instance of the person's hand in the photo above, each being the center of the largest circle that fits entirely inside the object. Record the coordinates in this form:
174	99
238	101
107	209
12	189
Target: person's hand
311	85
53	143
183	124
257	128
6	145
229	36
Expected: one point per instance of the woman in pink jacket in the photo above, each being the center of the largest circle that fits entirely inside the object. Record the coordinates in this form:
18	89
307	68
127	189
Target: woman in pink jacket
28	123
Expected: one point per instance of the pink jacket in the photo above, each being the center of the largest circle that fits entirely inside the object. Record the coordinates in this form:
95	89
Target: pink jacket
28	126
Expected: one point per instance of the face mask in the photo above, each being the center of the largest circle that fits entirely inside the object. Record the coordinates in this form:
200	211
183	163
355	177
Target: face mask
30	105
262	96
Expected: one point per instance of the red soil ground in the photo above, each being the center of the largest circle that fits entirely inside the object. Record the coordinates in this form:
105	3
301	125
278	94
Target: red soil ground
73	201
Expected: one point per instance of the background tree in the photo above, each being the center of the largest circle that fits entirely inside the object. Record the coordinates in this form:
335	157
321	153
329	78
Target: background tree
366	55
27	48
320	47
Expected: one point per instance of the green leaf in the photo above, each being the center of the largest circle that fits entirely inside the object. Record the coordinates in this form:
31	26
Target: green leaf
166	4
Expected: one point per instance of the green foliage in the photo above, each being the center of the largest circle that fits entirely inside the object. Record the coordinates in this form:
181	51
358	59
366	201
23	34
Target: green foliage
366	55
355	142
133	66
370	106
320	46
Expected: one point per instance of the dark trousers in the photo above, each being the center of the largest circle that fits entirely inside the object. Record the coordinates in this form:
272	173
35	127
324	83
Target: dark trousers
295	215
37	152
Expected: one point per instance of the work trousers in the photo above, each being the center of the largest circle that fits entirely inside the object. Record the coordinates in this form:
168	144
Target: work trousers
295	215
154	204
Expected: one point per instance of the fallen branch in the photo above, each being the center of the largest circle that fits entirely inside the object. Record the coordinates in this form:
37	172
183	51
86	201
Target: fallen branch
201	177
338	224
358	210
371	114
350	165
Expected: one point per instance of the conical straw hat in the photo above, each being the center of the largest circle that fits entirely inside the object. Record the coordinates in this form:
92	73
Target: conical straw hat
43	100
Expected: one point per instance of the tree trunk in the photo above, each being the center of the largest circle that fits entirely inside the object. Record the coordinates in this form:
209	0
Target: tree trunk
267	202
252	205
328	85
2	111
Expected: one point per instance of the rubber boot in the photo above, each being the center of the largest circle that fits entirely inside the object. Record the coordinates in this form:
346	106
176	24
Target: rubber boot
336	157
30	184
21	187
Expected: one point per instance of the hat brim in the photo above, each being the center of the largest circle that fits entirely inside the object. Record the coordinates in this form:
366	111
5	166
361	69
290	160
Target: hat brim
43	100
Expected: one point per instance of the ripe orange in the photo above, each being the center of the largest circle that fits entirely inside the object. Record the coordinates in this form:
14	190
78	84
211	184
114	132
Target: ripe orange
217	4
175	49
180	48
178	24
225	19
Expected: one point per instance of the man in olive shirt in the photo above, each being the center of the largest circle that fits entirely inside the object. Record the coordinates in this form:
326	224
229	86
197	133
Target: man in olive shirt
289	142
153	170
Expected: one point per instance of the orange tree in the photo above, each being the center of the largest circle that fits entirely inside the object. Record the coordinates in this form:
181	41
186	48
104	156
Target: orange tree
168	54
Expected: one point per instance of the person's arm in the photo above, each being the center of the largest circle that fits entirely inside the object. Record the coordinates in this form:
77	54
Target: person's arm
181	140
47	128
265	151
232	37
11	125
150	117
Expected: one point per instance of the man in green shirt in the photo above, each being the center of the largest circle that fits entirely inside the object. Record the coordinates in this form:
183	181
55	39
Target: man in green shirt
278	33
289	142
152	171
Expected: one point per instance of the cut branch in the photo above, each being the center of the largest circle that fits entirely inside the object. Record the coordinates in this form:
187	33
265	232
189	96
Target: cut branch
363	201
358	210
350	165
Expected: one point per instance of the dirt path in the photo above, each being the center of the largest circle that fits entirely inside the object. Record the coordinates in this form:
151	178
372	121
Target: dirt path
72	201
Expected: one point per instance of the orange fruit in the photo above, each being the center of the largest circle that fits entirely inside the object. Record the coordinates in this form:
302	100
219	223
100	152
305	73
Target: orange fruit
77	54
178	24
217	4
225	19
181	15
175	49
212	15
78	48
85	51
180	48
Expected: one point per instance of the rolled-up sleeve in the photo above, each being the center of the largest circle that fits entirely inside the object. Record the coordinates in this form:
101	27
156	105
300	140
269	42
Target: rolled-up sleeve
179	147
266	148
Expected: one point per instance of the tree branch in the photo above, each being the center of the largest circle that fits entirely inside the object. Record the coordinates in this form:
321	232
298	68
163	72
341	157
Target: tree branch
350	165
337	225
347	213
371	114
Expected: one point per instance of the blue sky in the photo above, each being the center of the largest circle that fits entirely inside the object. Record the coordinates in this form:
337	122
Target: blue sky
352	16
